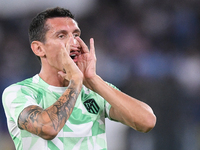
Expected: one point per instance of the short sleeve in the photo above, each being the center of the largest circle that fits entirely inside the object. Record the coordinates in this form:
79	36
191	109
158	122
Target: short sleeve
15	98
107	105
107	109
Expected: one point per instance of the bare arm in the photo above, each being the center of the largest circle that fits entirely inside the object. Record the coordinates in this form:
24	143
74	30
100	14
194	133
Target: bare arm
48	122
125	109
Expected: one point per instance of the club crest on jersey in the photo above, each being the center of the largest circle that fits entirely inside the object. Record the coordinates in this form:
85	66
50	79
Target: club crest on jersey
91	106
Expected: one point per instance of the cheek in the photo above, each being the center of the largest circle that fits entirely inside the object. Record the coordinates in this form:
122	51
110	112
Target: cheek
54	60
53	55
52	49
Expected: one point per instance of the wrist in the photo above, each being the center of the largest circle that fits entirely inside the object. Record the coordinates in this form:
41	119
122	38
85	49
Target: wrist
77	79
76	83
93	83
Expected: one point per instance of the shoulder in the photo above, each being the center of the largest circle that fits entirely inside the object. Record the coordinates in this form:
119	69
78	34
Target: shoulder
18	94
16	87
110	84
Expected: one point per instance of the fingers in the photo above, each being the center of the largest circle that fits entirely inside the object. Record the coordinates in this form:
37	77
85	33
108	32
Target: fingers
62	74
92	48
84	46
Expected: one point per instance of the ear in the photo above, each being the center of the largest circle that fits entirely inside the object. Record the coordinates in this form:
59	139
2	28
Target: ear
37	48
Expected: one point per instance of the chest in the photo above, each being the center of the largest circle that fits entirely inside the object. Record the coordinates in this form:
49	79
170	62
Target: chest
88	107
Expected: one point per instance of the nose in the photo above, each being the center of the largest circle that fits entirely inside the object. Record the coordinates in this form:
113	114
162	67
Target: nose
74	41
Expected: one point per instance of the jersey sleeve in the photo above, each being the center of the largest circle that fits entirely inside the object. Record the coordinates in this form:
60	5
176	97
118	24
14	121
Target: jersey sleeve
15	98
107	105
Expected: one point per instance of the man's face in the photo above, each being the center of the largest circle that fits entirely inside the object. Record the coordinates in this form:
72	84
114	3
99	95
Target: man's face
57	37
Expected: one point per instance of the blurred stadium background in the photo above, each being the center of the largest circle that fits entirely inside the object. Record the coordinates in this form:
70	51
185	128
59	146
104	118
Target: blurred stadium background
150	49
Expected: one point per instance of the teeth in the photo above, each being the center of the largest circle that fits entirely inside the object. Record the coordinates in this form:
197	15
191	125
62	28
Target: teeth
72	56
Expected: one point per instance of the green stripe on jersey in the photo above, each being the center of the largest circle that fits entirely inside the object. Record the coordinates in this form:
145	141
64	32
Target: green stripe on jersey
85	128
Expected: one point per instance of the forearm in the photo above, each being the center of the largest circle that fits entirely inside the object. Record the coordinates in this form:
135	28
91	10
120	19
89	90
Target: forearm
61	110
125	109
48	122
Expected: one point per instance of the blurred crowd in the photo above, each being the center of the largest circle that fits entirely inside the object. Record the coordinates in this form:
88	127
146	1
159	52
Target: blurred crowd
150	49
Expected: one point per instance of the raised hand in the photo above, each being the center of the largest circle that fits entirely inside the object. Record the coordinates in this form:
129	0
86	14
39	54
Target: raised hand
87	61
69	68
47	123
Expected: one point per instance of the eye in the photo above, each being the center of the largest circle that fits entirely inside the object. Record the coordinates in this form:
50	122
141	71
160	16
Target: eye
61	36
76	34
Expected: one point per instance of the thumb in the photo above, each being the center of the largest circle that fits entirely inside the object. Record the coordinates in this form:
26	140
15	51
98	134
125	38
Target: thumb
62	74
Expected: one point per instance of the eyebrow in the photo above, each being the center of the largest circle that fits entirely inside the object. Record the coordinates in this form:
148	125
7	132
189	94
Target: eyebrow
65	31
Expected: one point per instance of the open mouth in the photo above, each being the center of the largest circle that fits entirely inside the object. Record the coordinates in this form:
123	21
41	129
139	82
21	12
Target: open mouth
73	56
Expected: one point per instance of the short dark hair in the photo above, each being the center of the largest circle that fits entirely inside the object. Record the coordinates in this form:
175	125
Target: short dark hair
38	28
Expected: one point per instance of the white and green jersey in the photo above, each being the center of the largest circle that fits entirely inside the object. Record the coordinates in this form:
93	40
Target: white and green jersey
84	130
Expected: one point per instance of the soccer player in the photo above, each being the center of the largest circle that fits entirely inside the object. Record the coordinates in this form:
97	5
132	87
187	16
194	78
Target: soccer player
64	106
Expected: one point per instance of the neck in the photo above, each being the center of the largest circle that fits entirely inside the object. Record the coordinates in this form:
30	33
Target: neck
53	78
